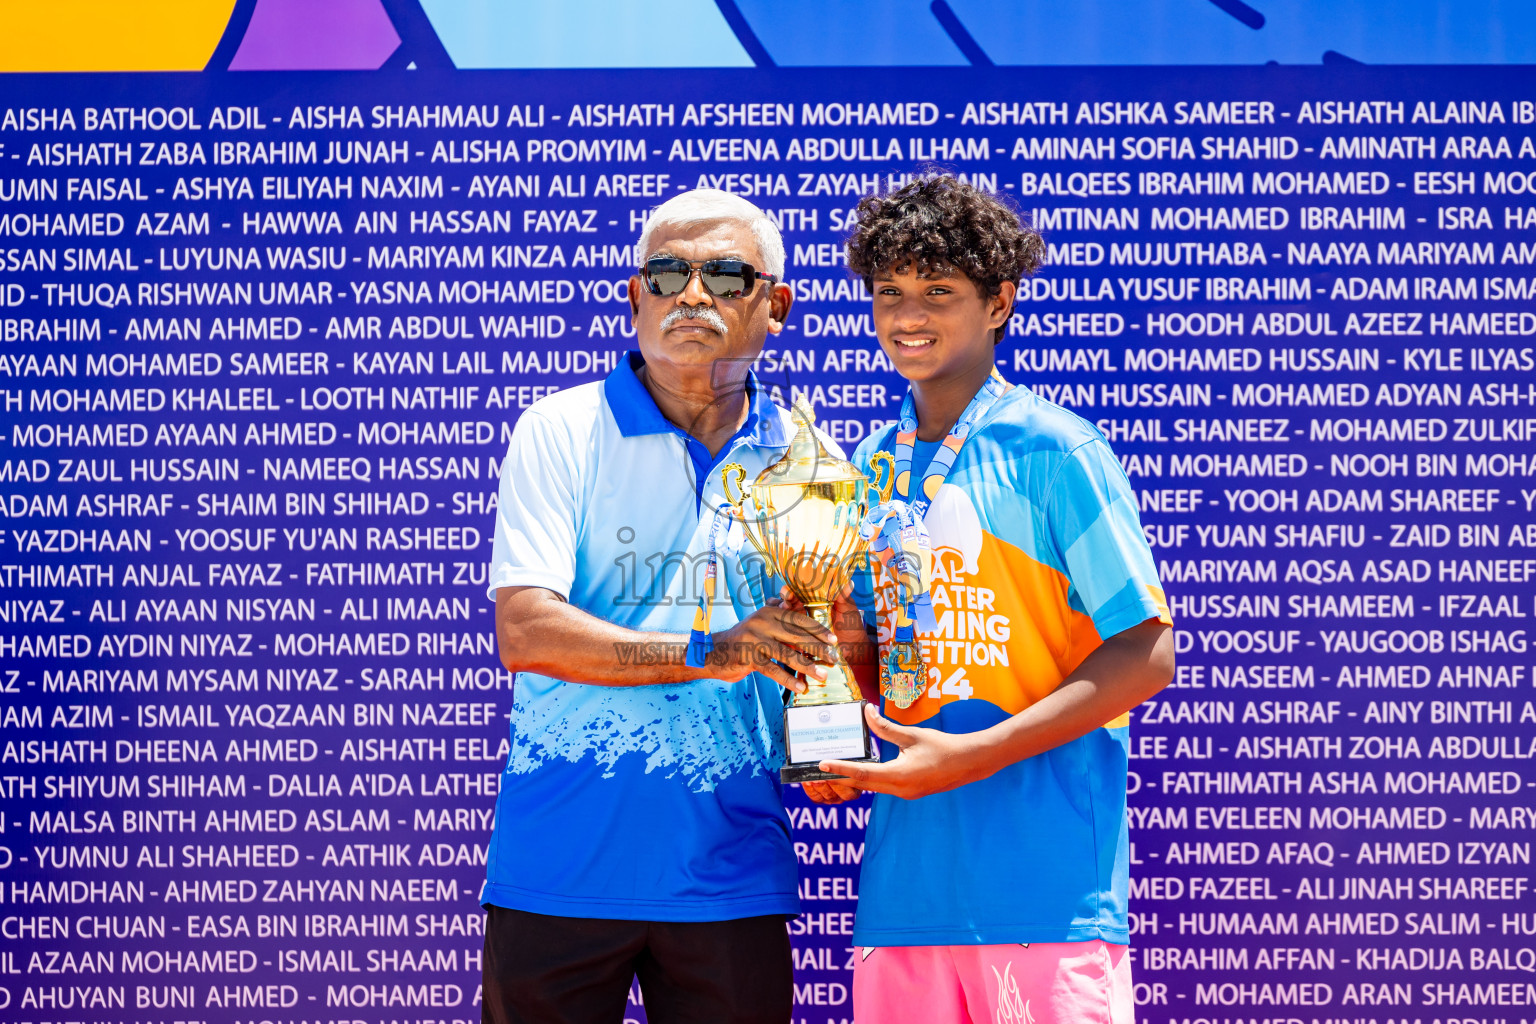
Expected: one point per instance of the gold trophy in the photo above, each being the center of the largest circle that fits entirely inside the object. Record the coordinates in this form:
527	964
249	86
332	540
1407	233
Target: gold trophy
803	515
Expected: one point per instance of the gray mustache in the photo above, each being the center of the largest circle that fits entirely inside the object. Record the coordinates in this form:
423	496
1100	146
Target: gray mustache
704	313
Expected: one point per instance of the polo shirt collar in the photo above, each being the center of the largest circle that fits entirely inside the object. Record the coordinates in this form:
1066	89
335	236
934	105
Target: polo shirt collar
636	412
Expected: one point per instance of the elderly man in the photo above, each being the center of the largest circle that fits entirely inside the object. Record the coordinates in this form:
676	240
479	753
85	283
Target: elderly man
640	828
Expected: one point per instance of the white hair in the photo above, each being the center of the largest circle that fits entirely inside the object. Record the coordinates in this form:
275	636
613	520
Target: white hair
705	206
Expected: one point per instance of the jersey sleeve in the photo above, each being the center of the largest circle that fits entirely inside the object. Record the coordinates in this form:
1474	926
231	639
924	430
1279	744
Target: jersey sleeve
1097	533
536	513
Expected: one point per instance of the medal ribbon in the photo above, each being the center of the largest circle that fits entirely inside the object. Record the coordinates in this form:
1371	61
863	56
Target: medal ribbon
701	641
910	534
900	541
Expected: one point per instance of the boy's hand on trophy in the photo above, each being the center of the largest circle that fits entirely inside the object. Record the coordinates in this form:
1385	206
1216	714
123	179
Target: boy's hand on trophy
778	641
930	761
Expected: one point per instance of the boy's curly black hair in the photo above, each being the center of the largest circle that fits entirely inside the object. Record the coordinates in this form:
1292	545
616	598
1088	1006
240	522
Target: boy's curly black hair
937	223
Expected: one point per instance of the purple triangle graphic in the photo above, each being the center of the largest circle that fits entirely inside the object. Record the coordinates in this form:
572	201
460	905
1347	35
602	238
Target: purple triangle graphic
316	35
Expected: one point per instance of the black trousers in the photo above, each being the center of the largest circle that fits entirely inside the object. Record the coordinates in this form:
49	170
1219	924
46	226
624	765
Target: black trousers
572	970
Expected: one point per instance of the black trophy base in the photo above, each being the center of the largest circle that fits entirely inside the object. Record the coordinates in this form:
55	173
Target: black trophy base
811	772
825	732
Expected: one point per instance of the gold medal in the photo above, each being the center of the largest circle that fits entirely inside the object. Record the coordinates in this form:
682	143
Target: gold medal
902	676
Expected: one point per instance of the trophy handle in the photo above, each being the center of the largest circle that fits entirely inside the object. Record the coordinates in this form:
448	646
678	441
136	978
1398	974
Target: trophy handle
888	461
731	477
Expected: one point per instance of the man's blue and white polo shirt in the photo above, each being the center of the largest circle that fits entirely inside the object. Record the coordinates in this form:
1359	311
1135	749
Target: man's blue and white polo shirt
653	803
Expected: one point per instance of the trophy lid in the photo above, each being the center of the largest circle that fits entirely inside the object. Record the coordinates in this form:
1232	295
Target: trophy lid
807	461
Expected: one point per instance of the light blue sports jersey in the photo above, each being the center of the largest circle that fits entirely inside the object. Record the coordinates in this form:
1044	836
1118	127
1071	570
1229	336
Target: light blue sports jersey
1038	554
648	802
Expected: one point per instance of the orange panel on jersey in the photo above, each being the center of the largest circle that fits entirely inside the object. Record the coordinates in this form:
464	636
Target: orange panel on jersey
1006	632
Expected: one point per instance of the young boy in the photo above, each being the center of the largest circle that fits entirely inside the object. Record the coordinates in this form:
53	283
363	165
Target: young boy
994	881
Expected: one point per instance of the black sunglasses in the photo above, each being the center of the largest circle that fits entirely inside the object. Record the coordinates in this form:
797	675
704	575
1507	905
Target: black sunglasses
727	279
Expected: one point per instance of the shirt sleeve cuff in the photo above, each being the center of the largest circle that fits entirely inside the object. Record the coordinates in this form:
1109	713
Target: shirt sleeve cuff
1123	616
510	576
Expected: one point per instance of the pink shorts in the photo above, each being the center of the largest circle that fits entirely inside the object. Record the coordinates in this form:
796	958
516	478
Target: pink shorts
1039	983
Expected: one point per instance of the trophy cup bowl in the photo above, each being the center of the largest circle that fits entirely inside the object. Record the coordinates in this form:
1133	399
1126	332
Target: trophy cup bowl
803	514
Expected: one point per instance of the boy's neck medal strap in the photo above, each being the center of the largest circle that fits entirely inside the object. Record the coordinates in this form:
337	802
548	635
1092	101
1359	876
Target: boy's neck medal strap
903	676
899	541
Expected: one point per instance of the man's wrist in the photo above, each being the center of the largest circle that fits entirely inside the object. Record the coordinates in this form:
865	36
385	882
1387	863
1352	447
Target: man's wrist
859	644
863	651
